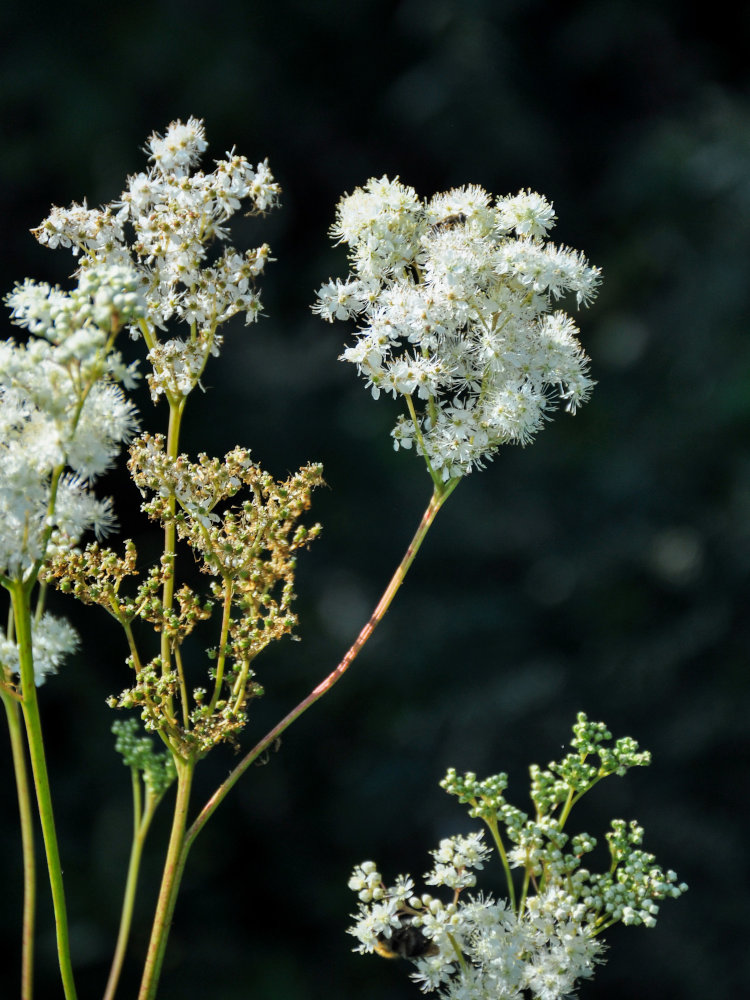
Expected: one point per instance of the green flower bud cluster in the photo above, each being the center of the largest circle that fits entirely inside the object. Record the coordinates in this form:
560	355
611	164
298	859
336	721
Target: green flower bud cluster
138	754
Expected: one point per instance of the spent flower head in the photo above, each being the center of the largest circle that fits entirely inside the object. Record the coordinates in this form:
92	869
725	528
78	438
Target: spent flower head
455	300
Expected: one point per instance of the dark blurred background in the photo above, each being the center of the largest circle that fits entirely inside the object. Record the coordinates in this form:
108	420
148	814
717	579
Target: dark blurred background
605	568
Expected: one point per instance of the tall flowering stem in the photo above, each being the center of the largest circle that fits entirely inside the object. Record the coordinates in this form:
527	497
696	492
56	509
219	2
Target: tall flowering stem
173	869
13	714
181	839
20	596
151	774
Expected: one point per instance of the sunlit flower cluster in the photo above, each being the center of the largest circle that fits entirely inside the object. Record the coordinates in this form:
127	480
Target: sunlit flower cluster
63	416
478	948
455	303
545	937
164	225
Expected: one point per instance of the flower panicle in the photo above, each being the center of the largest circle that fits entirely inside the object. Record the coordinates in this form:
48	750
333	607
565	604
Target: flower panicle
161	228
543	942
456	301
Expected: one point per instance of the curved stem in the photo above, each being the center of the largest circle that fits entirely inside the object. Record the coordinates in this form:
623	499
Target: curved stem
170	883
13	712
32	720
439	496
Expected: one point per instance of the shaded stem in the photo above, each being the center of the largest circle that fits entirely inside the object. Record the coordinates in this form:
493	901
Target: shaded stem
173	868
22	618
13	713
439	496
141	823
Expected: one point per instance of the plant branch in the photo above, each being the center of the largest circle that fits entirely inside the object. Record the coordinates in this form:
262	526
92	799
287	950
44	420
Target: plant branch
439	496
13	713
22	619
170	883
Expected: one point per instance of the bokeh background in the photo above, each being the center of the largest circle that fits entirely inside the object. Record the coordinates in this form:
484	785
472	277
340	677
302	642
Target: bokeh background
605	568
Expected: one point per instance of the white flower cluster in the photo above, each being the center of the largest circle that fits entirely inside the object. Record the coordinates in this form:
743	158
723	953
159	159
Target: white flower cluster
455	298
163	225
476	949
63	418
52	639
546	937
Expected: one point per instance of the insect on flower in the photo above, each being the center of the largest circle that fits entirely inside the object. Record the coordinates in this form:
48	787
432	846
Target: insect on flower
449	222
406	941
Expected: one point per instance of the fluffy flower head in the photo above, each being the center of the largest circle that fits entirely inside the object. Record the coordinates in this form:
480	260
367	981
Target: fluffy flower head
455	299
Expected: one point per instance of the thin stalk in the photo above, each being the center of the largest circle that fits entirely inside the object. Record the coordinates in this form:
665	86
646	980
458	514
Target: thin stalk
181	839
141	823
173	868
439	496
170	533
22	618
495	831
13	713
221	660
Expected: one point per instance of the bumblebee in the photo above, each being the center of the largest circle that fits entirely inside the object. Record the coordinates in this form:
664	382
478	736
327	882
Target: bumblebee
406	941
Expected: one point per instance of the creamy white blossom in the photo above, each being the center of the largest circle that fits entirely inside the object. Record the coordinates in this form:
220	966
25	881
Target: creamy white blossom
63	417
165	226
52	639
547	936
455	302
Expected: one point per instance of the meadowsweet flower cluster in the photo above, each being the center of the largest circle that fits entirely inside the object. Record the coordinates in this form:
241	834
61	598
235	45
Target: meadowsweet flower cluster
455	300
542	940
163	225
63	416
248	549
53	639
63	420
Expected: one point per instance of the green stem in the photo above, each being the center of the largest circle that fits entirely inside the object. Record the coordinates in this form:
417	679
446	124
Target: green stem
176	407
439	496
141	823
22	618
495	831
173	868
13	713
225	622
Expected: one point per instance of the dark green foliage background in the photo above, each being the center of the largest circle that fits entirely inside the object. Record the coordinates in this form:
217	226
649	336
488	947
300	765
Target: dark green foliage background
605	568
